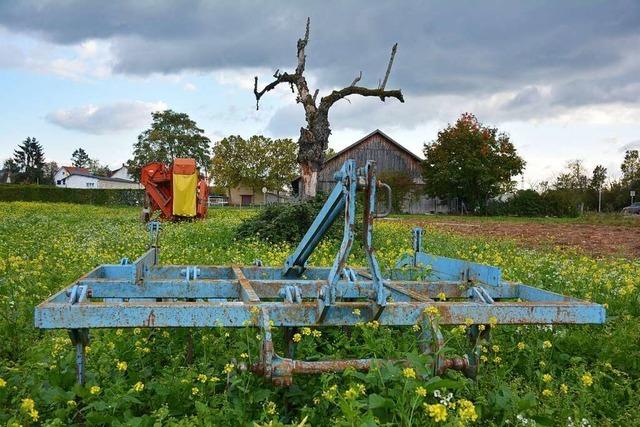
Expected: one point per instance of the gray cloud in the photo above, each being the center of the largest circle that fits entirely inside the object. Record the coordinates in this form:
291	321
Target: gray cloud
583	52
633	145
106	118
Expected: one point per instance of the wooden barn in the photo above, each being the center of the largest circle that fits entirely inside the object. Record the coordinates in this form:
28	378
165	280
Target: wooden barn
390	156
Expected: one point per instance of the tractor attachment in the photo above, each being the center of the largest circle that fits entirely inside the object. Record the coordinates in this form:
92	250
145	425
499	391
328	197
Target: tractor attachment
177	190
422	289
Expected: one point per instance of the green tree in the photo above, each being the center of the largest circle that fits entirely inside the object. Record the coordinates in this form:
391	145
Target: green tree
630	166
80	158
257	162
171	135
574	178
48	172
98	169
402	187
29	159
471	161
598	176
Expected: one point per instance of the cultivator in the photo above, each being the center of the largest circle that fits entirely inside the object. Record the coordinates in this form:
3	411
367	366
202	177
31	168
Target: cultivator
425	290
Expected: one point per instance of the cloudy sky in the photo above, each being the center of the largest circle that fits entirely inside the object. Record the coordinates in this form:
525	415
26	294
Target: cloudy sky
562	78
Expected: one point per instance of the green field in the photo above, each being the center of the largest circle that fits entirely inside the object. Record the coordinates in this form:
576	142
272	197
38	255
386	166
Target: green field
553	375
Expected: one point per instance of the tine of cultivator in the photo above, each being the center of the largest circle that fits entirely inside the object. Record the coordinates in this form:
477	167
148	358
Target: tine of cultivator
144	293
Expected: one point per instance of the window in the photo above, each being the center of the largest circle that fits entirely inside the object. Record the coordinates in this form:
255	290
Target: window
91	184
59	182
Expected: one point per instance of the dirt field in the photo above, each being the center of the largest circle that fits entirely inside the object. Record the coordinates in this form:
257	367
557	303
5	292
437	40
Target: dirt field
594	239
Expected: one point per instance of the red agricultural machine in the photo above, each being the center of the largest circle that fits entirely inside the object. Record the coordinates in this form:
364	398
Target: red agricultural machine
178	191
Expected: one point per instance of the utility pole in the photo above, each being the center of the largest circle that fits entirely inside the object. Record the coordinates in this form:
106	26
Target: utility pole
600	199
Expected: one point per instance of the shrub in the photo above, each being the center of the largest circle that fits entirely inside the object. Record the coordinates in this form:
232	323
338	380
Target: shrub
45	193
285	222
531	203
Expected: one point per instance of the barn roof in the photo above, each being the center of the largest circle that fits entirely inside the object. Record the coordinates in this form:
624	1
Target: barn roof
363	139
73	169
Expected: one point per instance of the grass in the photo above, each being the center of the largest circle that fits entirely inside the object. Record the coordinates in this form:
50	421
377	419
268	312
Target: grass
141	377
614	219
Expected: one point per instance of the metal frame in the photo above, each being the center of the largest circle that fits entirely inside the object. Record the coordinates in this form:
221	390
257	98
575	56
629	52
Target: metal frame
146	294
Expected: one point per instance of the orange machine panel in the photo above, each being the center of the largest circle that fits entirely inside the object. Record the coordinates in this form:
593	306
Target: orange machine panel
184	166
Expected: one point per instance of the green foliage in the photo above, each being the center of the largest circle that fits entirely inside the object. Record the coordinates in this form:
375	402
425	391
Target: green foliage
171	135
257	162
28	159
558	203
80	158
282	222
43	193
471	161
37	261
402	187
630	166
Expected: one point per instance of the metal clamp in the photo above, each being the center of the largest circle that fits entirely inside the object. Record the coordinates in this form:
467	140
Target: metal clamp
389	202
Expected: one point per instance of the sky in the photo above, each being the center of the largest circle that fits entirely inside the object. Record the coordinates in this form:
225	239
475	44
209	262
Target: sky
561	78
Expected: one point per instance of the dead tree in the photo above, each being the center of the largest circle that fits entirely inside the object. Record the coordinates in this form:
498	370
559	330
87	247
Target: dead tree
315	137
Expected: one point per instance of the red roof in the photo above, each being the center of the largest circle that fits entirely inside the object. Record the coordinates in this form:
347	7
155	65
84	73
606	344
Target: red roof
73	169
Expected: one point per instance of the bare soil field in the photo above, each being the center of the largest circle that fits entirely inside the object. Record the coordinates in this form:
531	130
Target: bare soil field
593	239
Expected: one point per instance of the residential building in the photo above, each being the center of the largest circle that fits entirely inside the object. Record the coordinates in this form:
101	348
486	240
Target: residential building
73	177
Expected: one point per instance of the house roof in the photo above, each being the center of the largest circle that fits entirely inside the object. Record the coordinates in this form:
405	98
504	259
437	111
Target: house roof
113	172
379	132
73	169
101	178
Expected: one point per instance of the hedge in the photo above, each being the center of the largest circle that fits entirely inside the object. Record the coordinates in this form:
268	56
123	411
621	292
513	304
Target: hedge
45	193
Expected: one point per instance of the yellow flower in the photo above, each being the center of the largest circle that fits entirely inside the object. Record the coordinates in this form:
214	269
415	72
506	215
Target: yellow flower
72	403
27	405
138	387
547	393
481	328
495	348
587	379
306	331
442	296
497	360
270	408
165	334
95	389
137	331
214	379
244	356
354	391
436	411
466	410
546	344
118	332
316	333
297	337
122	366
521	345
416	328
255	310
468	321
330	393
493	321
195	391
431	311
408	373
564	388
228	368
202	378
421	391
356	312
484	358
3	383
547	378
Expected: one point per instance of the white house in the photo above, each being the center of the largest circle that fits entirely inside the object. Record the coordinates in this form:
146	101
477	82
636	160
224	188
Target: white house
122	173
72	177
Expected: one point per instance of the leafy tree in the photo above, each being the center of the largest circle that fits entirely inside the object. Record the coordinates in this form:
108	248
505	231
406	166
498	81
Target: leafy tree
630	166
574	178
598	176
402	186
48	172
11	166
80	158
329	153
29	159
171	135
257	162
98	169
471	161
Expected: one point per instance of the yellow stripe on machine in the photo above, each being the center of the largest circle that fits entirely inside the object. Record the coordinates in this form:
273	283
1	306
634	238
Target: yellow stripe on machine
184	194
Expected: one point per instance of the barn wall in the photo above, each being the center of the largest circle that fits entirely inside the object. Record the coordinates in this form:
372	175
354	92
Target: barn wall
386	154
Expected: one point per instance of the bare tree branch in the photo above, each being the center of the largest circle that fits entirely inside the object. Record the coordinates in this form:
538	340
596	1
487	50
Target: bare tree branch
386	75
327	101
315	95
280	78
357	79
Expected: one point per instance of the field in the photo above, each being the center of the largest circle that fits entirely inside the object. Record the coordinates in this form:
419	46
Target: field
576	375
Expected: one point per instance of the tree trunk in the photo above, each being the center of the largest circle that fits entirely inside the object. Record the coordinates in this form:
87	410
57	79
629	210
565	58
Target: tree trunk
309	181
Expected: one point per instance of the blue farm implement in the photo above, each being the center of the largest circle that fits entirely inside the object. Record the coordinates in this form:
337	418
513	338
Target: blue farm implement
422	289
